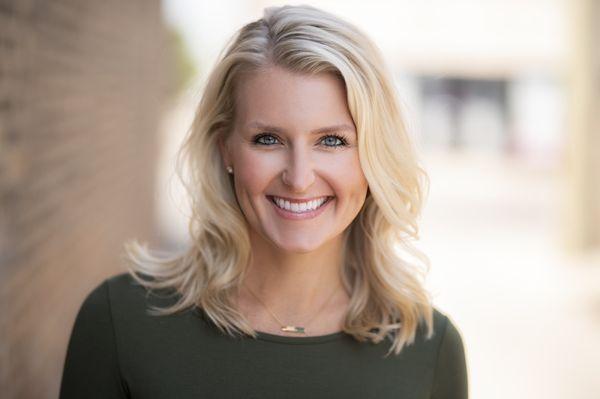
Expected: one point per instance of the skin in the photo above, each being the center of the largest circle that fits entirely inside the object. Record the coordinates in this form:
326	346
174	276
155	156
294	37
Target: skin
296	264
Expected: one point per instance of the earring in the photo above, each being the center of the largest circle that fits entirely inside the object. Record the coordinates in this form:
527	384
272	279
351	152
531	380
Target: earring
229	169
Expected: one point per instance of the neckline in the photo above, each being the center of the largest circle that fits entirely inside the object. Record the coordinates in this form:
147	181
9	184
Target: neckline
286	339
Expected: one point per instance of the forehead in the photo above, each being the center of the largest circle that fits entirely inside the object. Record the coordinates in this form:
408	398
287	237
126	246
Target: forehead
280	97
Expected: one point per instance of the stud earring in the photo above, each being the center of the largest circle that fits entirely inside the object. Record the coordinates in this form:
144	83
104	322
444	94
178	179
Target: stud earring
229	169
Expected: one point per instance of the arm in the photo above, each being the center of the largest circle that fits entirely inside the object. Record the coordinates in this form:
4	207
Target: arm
450	379
91	368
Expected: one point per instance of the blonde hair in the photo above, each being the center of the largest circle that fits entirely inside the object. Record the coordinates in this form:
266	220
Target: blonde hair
387	298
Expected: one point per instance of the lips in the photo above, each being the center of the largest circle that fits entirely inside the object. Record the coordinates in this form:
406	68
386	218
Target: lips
327	199
300	215
299	201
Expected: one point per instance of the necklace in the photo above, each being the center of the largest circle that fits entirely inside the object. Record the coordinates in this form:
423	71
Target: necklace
289	328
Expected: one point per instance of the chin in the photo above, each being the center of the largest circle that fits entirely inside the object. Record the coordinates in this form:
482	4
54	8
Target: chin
298	247
308	244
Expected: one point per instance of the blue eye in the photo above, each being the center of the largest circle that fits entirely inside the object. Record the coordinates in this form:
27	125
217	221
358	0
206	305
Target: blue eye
339	141
257	139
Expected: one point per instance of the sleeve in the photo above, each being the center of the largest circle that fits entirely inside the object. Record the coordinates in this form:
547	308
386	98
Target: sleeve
91	368
450	376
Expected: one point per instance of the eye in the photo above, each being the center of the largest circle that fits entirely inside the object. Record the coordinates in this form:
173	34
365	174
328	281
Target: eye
331	140
335	138
258	138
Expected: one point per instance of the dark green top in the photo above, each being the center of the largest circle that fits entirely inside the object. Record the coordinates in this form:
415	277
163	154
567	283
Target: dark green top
117	350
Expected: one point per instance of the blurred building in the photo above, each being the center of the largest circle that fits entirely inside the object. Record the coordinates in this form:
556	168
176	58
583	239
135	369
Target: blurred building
82	86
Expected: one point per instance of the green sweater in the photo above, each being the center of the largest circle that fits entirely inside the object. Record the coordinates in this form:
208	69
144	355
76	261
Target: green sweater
117	350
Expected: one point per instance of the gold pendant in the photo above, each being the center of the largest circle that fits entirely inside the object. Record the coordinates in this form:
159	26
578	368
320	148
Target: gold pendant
293	329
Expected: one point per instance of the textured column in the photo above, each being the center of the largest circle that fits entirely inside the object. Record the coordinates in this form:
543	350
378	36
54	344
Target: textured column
582	210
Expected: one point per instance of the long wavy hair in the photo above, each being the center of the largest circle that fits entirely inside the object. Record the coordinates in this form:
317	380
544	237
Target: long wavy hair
387	297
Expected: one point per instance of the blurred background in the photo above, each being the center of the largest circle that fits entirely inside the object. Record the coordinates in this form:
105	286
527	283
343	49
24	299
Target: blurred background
502	98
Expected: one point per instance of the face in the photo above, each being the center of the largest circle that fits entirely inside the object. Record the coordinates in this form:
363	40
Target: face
293	143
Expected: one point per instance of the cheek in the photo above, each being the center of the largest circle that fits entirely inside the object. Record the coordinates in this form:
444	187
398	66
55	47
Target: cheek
253	170
347	173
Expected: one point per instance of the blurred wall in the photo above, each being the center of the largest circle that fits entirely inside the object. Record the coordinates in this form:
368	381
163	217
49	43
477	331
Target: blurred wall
82	84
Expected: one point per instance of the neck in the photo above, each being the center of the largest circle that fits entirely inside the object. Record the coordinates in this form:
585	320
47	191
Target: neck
295	286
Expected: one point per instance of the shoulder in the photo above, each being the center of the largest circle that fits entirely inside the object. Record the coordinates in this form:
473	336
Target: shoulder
100	299
120	282
447	337
121	295
428	344
130	308
443	325
128	296
444	345
124	286
450	376
440	321
92	367
120	286
123	283
95	306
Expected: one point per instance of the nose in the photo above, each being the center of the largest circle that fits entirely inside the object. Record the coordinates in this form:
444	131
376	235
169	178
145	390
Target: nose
299	173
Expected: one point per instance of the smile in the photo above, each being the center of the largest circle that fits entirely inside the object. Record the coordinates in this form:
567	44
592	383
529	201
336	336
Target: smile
303	210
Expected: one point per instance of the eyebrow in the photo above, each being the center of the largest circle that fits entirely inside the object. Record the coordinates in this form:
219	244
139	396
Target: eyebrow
327	129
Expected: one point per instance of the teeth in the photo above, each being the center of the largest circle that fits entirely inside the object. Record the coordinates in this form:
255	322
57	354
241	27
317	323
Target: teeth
299	208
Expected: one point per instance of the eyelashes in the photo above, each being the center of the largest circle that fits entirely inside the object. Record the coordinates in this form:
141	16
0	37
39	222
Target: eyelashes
343	141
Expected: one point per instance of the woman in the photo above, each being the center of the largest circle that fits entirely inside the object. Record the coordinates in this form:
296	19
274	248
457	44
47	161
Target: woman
303	181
